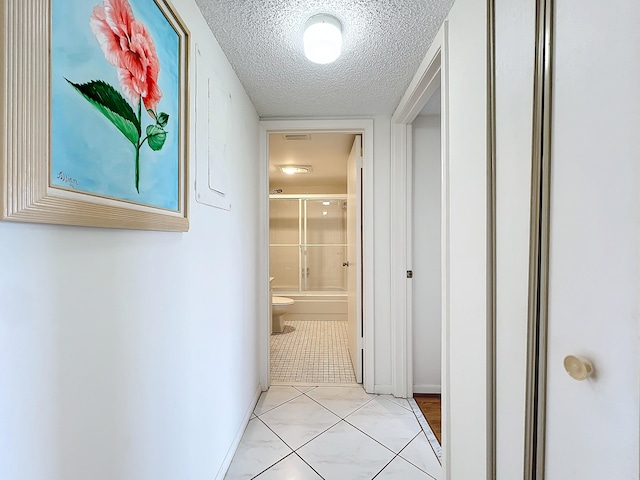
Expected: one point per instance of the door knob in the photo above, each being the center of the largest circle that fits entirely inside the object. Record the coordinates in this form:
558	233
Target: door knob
346	264
578	368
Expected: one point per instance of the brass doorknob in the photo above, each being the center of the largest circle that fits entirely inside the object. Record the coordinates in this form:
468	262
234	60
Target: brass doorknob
578	368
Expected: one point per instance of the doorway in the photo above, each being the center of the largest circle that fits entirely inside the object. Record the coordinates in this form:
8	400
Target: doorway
314	243
425	261
326	259
421	240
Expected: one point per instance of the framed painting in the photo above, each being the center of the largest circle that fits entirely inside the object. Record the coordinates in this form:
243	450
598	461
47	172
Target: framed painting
94	113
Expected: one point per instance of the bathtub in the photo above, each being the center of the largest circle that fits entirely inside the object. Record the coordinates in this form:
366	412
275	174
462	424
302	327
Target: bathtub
316	306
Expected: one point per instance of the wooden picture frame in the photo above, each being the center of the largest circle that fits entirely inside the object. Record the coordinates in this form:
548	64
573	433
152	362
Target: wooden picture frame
33	188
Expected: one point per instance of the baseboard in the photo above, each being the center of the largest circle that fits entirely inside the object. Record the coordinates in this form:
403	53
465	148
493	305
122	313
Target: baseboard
222	471
426	388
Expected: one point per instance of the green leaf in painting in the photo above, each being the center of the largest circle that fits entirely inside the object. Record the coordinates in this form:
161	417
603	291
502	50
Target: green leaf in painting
162	119
112	105
156	136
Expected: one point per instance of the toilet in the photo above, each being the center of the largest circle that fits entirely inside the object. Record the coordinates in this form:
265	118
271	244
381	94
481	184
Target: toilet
279	306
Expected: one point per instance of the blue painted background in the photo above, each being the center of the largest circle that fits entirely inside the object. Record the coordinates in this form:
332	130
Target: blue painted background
89	154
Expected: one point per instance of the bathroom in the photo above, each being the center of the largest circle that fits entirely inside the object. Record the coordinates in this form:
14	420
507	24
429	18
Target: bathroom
312	257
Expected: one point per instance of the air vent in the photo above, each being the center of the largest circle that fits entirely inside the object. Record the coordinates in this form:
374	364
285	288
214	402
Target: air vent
297	136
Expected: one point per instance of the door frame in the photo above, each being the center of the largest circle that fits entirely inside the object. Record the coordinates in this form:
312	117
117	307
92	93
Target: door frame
435	67
431	76
358	126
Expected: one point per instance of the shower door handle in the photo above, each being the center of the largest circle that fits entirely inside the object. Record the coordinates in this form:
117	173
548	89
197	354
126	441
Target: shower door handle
346	264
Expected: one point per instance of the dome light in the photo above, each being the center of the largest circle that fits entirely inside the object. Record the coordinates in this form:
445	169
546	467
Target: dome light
294	169
322	39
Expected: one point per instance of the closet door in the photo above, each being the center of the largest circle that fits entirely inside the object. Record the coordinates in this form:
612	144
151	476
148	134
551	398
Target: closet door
592	428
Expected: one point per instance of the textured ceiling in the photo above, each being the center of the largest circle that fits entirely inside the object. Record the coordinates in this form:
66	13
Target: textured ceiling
384	42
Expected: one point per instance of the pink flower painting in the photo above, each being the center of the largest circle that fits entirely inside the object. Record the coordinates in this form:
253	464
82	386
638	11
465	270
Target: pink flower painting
128	46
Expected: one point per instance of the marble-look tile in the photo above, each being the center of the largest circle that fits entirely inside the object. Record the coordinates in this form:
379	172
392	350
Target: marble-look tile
403	402
426	428
299	420
387	422
420	453
274	397
400	468
258	450
342	401
304	388
343	452
291	468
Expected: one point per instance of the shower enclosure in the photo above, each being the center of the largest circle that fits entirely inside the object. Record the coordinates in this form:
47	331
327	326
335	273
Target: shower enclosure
308	243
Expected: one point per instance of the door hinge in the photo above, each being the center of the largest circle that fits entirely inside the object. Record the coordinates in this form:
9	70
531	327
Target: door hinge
409	273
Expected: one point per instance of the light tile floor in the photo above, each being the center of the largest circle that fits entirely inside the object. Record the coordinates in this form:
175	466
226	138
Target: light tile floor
311	352
333	433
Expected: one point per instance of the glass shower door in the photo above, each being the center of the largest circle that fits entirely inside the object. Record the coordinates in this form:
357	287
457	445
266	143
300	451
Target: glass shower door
284	244
308	244
324	245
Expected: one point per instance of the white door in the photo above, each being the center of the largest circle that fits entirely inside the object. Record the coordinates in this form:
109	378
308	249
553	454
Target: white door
354	255
592	428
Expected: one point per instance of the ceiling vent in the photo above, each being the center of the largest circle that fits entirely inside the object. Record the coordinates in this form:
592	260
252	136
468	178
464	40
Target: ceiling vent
297	136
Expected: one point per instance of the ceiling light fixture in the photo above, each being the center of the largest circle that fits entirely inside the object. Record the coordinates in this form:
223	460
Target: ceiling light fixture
294	169
322	38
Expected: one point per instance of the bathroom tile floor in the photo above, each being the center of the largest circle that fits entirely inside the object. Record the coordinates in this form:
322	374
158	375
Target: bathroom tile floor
311	352
333	433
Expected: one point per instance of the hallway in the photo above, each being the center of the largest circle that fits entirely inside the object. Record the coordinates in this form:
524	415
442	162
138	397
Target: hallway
315	433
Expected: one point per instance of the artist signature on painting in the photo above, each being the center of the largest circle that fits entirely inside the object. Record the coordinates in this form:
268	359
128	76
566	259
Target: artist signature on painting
70	181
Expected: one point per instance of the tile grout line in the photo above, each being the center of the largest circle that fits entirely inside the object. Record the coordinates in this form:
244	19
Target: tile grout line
271	466
285	443
409	461
307	463
388	463
294	451
374	439
310	440
413	407
276	406
340	417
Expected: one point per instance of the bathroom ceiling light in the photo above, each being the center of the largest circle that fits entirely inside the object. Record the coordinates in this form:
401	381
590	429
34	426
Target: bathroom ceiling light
294	169
326	203
322	38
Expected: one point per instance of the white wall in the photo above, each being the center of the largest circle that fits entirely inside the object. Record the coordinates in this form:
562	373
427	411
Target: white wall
426	256
134	355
